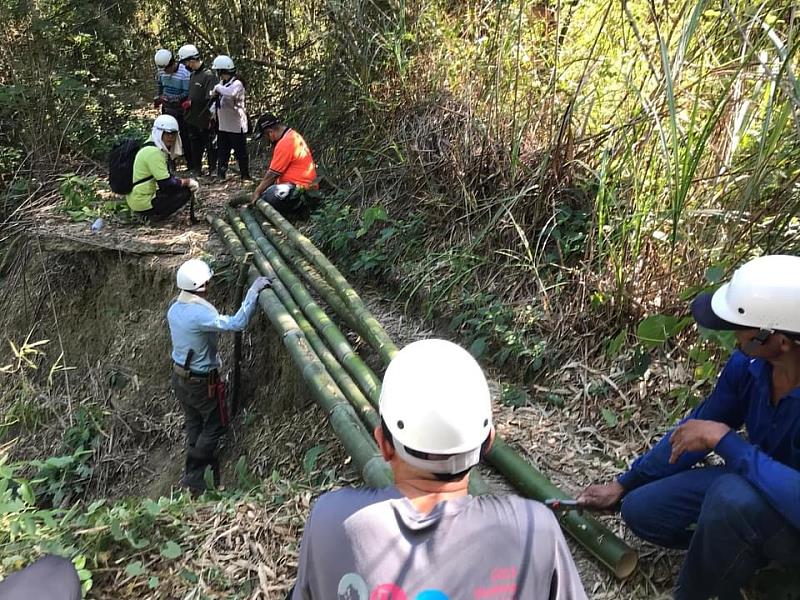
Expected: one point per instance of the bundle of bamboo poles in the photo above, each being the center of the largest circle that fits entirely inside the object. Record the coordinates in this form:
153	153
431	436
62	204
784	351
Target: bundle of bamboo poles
343	384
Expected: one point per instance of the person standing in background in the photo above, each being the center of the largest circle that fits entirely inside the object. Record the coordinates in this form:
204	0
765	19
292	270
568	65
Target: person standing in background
199	120
172	90
229	106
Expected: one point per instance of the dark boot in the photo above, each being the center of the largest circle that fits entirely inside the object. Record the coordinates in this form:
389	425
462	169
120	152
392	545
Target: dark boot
244	169
194	471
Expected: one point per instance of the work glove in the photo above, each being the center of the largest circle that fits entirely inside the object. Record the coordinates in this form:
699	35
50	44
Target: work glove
260	284
193	185
186	104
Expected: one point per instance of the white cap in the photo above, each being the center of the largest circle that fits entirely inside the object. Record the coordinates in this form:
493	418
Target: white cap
223	63
188	51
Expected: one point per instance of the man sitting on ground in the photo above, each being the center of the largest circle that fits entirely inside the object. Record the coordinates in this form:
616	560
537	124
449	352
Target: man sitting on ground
156	191
737	518
426	537
291	170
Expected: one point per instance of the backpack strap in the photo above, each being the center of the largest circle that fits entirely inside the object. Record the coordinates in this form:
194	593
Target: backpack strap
148	178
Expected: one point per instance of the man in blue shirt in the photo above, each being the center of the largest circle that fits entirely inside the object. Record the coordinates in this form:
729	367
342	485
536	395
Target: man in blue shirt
737	518
194	325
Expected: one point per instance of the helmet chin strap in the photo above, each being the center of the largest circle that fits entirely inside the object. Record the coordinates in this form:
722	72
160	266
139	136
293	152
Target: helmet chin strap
759	339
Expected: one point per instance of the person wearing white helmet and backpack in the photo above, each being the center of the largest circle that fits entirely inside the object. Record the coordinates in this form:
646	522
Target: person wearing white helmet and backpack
739	517
199	118
172	90
156	192
194	325
229	107
426	537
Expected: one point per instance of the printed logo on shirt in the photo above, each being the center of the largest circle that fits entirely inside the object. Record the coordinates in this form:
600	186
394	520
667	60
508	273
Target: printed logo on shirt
502	586
352	587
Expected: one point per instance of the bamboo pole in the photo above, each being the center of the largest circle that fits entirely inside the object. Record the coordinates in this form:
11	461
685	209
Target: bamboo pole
349	387
236	385
600	541
247	227
372	329
597	539
311	275
354	437
250	233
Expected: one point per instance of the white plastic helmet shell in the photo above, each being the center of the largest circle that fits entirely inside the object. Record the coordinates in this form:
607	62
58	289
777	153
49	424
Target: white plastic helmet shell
763	293
193	275
187	51
163	57
223	63
166	123
435	399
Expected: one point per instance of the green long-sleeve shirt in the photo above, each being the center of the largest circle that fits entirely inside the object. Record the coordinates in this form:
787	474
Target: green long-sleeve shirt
201	84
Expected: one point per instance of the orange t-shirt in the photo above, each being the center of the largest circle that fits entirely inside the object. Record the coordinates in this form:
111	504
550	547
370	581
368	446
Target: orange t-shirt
292	159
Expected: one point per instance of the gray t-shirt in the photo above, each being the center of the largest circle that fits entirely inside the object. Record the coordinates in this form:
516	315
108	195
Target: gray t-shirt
361	544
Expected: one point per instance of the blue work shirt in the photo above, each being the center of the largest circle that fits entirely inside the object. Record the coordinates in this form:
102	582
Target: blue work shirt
194	323
769	460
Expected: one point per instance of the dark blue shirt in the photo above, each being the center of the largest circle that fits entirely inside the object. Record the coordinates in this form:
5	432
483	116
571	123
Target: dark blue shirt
769	460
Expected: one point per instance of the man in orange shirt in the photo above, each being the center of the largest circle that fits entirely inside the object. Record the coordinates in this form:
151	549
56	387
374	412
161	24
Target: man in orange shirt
291	170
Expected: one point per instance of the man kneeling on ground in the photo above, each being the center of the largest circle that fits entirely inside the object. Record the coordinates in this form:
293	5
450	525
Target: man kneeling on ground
156	191
737	518
426	537
291	170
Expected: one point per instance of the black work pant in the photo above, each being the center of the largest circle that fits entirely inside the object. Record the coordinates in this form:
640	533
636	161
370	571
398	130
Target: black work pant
183	130
227	141
202	141
204	427
167	202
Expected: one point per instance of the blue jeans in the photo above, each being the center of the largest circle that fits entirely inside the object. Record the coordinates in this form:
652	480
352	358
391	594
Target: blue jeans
727	525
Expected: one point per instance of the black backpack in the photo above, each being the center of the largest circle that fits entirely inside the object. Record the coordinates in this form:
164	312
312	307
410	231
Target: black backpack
120	165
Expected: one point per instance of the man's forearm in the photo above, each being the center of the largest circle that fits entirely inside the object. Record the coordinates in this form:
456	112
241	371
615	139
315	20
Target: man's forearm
267	181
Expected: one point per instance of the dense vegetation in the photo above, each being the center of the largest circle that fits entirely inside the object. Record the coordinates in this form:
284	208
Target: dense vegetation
546	179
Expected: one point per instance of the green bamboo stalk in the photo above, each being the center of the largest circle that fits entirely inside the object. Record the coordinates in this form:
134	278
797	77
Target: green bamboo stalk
248	230
372	329
311	275
247	226
354	437
597	539
349	387
590	533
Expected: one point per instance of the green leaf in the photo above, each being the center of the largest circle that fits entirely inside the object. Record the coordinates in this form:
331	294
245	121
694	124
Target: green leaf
26	493
310	458
369	217
189	576
151	507
84	574
135	569
610	417
478	347
614	344
171	550
79	562
152	583
715	274
657	329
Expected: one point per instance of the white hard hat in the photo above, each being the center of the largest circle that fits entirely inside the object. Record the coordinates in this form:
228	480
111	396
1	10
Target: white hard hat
223	63
166	123
763	293
435	400
163	57
193	275
188	51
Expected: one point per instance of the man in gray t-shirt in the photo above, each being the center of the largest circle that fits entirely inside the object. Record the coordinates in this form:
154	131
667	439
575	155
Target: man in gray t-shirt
427	538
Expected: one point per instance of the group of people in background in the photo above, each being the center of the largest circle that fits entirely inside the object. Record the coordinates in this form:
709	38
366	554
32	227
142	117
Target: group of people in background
204	117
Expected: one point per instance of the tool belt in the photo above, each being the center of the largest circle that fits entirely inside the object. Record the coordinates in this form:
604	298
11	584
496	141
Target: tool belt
186	373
